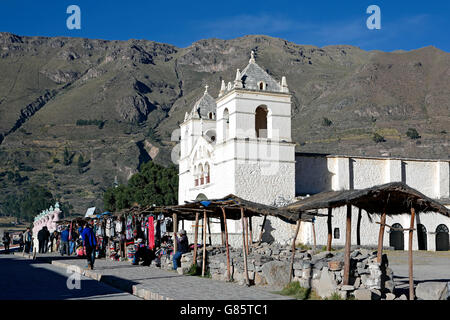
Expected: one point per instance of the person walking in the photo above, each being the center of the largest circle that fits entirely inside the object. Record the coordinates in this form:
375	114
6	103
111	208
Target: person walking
183	247
43	238
27	240
64	248
90	243
53	241
6	241
21	242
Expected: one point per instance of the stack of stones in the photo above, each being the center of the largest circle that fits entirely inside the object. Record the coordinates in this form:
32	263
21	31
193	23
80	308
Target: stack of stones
269	264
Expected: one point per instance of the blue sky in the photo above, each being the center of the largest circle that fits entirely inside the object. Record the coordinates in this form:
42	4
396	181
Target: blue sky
404	24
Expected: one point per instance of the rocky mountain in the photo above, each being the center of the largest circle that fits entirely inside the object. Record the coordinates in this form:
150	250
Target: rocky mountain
76	113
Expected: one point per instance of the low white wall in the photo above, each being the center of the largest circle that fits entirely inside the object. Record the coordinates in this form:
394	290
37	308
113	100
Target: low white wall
369	229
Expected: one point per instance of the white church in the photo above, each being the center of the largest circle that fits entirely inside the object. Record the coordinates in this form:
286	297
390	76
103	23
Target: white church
240	143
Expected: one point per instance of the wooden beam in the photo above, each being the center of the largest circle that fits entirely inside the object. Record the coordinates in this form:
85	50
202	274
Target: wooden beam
358	227
226	243
175	229
348	241
196	239
262	230
381	237
251	230
397	229
244	250
293	250
246	234
204	244
209	232
222	229
330	229
314	234
410	252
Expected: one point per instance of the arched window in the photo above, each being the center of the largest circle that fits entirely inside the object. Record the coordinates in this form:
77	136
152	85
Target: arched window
196	176
261	122
262	85
226	124
442	238
207	172
200	173
422	236
336	233
396	237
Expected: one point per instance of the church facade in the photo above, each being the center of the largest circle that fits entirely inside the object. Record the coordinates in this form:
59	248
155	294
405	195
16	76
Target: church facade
240	143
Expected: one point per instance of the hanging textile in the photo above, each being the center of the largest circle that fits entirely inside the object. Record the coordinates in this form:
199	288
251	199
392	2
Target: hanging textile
118	225
151	233
108	228
129	228
70	231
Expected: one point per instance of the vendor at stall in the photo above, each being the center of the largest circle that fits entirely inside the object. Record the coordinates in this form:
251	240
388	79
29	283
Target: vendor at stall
183	247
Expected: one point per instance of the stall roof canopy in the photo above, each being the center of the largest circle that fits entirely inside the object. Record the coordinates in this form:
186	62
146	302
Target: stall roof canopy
394	198
233	205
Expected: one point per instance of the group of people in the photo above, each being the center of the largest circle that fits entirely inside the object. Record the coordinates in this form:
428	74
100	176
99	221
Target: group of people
65	243
25	240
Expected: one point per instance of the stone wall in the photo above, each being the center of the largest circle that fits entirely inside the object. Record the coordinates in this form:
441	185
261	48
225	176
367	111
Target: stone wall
323	272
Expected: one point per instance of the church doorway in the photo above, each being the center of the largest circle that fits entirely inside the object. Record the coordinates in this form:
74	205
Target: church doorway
442	238
261	122
396	237
422	236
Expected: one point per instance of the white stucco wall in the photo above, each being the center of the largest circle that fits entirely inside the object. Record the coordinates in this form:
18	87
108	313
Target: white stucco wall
369	229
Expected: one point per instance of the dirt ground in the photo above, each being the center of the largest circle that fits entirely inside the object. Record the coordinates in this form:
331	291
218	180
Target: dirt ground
427	266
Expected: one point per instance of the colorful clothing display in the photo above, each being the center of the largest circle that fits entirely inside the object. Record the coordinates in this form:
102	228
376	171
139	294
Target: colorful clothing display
151	233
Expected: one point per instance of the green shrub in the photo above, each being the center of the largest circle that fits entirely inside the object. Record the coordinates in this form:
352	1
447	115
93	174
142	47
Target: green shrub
412	134
377	138
326	122
294	289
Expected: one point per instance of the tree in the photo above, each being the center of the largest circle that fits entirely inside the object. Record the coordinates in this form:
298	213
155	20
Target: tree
413	134
154	184
68	157
326	122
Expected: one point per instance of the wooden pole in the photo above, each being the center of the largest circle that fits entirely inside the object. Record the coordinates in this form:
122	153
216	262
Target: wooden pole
314	234
175	229
330	229
204	244
358	227
411	281
293	250
262	230
251	230
226	243
381	236
209	232
222	229
348	241
244	251
196	239
246	233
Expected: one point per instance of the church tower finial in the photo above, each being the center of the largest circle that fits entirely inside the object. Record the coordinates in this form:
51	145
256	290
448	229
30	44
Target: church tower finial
252	57
222	88
237	80
206	89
